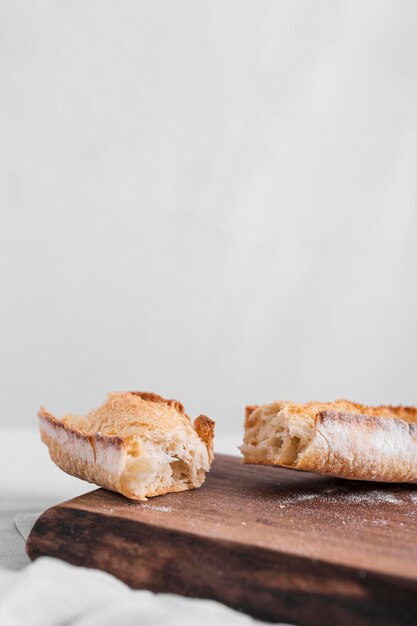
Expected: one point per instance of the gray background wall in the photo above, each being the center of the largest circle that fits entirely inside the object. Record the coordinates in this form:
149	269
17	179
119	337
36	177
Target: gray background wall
212	200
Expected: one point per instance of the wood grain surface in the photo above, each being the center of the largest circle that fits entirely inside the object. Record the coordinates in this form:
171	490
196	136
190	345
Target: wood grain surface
278	544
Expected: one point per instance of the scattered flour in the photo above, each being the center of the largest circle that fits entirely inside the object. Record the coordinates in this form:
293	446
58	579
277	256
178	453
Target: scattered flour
359	497
162	509
305	496
373	497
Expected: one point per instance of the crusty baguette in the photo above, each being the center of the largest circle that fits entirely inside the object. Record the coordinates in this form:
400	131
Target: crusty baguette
339	438
138	444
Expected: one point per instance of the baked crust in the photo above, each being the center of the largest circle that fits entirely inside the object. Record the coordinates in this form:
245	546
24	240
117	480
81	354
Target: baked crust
153	397
204	427
341	438
130	430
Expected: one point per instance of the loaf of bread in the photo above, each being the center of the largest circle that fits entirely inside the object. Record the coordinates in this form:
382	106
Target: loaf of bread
137	444
339	438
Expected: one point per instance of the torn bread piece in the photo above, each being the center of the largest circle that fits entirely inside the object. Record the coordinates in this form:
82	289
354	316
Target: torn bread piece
138	444
339	438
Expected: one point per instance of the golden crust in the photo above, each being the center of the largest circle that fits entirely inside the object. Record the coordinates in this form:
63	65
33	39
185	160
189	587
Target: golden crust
249	409
407	413
130	413
97	447
153	397
204	427
345	439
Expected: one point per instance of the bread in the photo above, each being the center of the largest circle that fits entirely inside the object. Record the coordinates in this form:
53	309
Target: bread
138	444
339	438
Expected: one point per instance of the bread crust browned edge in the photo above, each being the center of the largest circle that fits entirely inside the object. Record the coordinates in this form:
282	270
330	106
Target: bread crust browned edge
412	410
107	440
250	408
397	409
203	425
148	396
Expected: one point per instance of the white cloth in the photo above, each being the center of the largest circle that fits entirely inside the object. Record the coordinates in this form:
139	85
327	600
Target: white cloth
49	592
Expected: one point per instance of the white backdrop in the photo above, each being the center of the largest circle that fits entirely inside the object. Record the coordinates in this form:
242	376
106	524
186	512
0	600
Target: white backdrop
211	200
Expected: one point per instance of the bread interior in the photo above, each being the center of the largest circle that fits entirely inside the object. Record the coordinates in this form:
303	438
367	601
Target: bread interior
157	465
275	435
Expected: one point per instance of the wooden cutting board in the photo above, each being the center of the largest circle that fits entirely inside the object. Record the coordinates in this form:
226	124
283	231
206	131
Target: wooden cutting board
278	544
